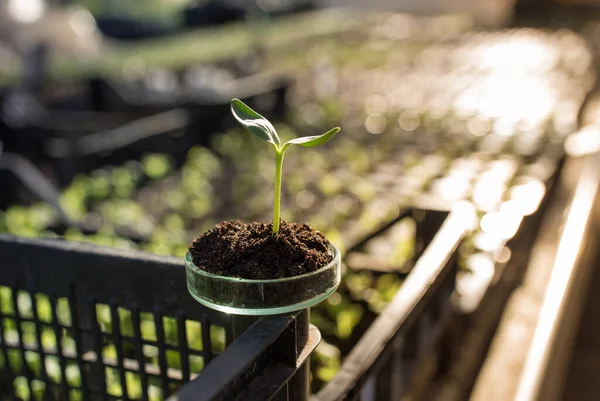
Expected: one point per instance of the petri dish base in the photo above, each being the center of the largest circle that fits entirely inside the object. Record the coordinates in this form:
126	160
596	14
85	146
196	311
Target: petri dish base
263	297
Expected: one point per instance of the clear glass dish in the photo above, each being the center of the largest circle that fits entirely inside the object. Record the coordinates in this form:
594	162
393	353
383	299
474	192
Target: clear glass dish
263	297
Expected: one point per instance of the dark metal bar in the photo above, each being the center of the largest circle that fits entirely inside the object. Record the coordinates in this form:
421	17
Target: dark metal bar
61	356
397	386
20	332
384	376
118	341
38	335
183	347
78	337
4	346
368	391
226	376
100	376
427	228
137	332
142	342
162	356
206	341
273	383
424	326
299	384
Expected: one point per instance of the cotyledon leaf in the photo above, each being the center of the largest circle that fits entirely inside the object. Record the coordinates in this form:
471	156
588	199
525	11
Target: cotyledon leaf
311	141
255	123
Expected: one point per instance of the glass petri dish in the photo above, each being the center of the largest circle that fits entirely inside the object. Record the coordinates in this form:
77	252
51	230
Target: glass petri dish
263	297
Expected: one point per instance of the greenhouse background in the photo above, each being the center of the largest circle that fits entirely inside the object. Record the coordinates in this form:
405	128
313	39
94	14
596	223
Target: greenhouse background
461	192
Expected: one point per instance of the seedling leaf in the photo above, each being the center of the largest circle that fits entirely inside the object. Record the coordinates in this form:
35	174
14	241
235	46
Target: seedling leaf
312	141
255	123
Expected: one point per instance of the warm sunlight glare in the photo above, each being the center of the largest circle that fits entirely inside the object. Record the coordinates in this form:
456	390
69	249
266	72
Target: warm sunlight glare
26	11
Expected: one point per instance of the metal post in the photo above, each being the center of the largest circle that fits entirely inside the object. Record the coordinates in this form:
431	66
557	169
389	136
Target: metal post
299	384
290	348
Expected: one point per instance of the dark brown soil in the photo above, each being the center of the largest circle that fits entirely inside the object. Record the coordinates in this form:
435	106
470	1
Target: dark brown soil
252	251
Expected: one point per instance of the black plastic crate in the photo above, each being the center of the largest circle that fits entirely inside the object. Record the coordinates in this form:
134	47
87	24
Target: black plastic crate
389	352
59	312
101	301
66	142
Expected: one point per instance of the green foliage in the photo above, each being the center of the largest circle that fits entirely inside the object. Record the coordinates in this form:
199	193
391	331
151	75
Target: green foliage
156	165
327	358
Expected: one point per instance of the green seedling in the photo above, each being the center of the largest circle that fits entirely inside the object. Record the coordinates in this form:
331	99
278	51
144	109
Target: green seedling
262	128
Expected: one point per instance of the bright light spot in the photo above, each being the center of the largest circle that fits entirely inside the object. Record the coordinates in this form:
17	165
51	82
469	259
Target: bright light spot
503	224
465	212
526	198
478	126
451	188
26	11
472	285
586	141
82	22
487	194
409	120
461	173
504	168
335	299
481	264
487	243
518	97
504	127
375	123
469	166
519	54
